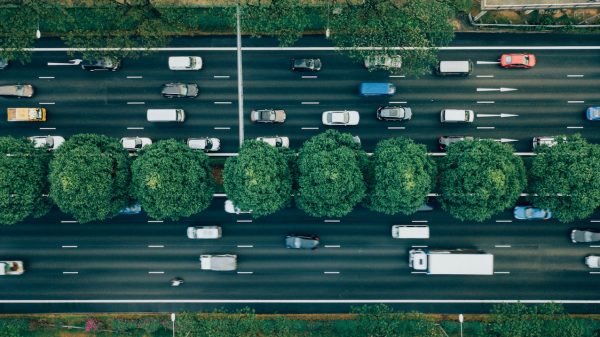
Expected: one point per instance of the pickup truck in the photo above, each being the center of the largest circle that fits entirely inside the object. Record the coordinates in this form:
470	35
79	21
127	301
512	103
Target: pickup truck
26	114
223	262
11	267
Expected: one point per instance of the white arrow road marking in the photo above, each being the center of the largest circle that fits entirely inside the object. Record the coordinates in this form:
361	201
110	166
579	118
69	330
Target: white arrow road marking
496	89
488	62
496	115
505	140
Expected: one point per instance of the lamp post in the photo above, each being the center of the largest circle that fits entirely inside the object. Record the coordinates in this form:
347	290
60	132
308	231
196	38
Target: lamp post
173	320
461	319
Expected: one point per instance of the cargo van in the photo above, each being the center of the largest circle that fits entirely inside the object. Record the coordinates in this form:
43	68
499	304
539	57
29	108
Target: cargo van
410	232
454	68
457	116
165	115
377	89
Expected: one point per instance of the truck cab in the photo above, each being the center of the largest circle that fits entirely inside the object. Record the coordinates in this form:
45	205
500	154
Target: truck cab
417	259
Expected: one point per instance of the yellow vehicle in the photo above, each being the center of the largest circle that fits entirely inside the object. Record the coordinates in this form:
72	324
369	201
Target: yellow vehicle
26	114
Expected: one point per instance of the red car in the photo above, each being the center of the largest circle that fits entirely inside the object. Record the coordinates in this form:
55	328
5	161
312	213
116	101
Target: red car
517	61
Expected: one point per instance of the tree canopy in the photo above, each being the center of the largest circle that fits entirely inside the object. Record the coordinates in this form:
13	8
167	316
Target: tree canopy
480	178
422	25
284	19
259	178
402	176
89	177
23	180
330	179
564	177
171	180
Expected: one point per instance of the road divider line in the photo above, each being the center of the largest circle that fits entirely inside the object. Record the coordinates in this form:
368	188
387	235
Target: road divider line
136	103
135	77
245	272
222	154
155	221
418	272
70	272
310	128
419	246
310	103
396	127
221	76
486	127
420	221
595	272
594	220
47	128
309	76
501	272
485	76
156	246
594	246
67	246
331	272
68	221
485	102
331	220
397	76
488	62
245	246
135	128
222	102
574	75
397	102
502	246
156	272
574	127
332	246
575	102
243	221
504	221
46	103
46	77
222	127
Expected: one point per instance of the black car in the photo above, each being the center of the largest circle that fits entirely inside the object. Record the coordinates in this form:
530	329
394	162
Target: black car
306	64
178	90
101	64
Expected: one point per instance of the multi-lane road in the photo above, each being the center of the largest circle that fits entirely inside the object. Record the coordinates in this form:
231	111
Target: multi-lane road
125	263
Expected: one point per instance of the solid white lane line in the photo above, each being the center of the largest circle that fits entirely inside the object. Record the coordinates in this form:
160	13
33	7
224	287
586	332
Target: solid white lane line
504	221
70	272
485	76
222	128
223	102
245	246
46	103
331	220
486	127
47	128
309	76
135	76
135	128
331	272
136	103
156	272
245	272
396	127
332	246
502	246
46	77
155	221
397	76
310	128
68	221
574	102
501	272
575	76
306	301
65	246
397	102
574	127
312	103
221	76
243	221
418	221
156	246
485	102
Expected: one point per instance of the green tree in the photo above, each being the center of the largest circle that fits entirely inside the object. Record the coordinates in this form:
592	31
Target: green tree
23	180
330	179
382	321
11	327
258	178
564	177
422	25
171	180
520	320
480	178
403	175
284	19
89	177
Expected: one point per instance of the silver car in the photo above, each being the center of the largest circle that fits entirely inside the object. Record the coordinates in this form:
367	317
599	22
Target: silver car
584	236
179	90
394	113
302	241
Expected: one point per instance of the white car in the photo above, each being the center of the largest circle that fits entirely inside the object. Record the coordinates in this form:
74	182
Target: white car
383	62
233	209
134	144
592	261
47	142
547	141
204	232
205	144
340	117
275	141
185	63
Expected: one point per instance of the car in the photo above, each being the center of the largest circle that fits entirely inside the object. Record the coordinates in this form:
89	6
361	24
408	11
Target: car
446	141
204	232
206	144
306	64
302	241
383	62
547	141
134	144
517	61
275	141
584	235
340	117
3	63
101	64
394	113
17	90
531	213
185	63
233	209
593	113
47	142
268	116
179	90
592	261
132	209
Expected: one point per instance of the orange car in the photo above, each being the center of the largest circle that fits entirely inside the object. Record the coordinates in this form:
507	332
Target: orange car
517	61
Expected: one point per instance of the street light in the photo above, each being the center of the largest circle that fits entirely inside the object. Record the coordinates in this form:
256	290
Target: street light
38	34
173	320
461	319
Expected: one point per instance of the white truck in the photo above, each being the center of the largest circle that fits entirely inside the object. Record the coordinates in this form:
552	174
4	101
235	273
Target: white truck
451	262
11	268
222	262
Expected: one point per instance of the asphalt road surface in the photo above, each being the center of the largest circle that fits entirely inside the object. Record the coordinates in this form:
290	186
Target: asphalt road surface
126	263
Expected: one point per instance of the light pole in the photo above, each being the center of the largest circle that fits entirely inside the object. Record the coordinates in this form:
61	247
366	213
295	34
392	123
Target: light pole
38	34
461	319
173	320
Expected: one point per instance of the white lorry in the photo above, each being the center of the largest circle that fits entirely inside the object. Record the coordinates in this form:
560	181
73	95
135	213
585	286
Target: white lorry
11	268
223	262
451	262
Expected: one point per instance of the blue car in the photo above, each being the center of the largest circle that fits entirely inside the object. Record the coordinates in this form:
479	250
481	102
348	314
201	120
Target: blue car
593	113
133	209
531	213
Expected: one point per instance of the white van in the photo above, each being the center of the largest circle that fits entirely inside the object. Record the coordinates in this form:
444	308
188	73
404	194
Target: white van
457	116
410	232
454	68
165	115
204	232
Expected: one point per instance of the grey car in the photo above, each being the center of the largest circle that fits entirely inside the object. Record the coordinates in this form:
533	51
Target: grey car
446	141
394	113
301	241
180	90
584	236
306	64
101	64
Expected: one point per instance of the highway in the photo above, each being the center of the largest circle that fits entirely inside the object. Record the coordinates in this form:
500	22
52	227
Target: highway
126	263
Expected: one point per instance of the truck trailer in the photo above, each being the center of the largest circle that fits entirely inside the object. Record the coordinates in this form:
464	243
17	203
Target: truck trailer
223	262
451	262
